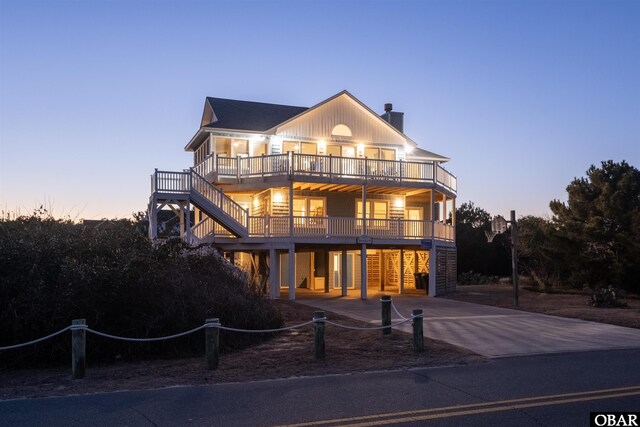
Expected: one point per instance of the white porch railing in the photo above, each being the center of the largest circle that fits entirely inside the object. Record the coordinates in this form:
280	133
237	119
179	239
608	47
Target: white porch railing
296	226
205	228
185	182
325	227
301	165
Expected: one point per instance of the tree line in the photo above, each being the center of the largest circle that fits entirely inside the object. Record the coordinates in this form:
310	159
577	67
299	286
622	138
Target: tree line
592	239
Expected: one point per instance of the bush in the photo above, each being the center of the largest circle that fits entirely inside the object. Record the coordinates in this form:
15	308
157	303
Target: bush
609	297
53	271
472	278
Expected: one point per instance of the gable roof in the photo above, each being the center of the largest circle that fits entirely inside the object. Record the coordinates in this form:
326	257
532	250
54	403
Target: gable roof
358	102
249	115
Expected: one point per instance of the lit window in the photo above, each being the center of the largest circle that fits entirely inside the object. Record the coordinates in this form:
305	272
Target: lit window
341	130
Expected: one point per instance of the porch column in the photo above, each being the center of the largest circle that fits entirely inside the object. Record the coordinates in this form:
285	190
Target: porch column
326	272
180	214
274	274
433	216
363	272
153	219
263	272
401	287
432	271
343	272
292	272
212	145
187	221
364	210
453	217
291	210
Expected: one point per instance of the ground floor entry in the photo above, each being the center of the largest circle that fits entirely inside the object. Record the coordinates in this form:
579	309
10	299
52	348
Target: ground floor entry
329	271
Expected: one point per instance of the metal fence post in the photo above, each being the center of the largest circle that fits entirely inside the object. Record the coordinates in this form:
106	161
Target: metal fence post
418	339
212	342
318	329
385	301
78	348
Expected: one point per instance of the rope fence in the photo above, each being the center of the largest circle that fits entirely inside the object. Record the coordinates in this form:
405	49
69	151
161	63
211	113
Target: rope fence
24	344
212	327
397	312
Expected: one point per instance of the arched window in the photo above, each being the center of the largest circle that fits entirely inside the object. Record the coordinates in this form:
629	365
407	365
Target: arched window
341	130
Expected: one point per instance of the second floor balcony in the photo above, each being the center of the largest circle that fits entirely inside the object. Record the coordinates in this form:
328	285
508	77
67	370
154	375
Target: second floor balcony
322	228
319	167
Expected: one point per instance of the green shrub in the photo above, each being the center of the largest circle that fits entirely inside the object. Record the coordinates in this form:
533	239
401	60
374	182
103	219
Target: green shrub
609	297
473	278
53	271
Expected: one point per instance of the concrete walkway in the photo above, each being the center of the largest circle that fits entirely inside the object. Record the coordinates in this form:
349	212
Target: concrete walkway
489	331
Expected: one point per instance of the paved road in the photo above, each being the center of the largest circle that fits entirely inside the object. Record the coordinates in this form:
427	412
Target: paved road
543	390
490	331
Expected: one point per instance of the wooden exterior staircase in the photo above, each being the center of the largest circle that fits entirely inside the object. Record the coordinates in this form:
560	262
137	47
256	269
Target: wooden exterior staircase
190	188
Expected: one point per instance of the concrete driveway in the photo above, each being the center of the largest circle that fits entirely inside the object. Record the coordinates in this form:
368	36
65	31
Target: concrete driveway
489	331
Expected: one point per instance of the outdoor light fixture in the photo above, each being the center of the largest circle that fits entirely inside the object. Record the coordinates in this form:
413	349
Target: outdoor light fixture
277	197
360	150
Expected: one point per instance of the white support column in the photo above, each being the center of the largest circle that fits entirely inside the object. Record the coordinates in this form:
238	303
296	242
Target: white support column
432	271
363	272
274	274
401	287
291	210
181	215
153	219
343	272
453	220
188	222
292	272
433	218
364	210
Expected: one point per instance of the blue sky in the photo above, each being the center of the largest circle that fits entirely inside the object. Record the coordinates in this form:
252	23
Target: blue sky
523	96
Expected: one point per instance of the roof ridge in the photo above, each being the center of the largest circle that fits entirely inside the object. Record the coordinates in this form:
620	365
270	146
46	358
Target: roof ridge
254	102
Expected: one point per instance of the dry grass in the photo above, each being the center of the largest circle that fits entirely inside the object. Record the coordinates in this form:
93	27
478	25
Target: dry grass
569	304
288	354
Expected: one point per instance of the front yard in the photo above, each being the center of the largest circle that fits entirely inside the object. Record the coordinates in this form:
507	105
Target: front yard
569	304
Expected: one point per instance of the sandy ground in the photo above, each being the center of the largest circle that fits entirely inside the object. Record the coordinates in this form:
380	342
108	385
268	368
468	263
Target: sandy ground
288	354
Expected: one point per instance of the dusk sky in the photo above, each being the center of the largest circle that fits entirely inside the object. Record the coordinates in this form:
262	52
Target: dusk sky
523	96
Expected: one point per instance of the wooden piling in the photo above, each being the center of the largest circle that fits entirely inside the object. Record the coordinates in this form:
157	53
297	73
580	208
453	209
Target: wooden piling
78	348
212	343
385	302
418	338
318	328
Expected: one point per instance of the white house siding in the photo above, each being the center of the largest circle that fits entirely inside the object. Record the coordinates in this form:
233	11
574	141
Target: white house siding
318	124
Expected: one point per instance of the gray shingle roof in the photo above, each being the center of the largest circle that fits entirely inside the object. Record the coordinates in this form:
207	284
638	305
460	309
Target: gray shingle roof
248	115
